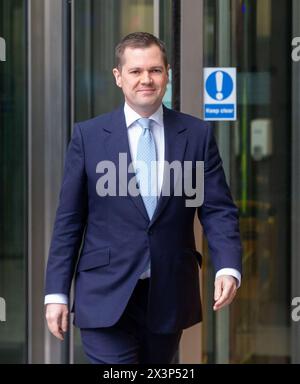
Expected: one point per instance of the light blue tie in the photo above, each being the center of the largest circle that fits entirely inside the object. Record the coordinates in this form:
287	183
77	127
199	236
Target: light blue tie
146	174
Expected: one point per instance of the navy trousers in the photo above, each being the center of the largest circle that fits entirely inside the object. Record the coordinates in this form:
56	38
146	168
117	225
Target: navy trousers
129	341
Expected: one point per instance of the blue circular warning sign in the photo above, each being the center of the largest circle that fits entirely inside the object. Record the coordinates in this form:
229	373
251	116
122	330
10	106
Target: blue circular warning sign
219	85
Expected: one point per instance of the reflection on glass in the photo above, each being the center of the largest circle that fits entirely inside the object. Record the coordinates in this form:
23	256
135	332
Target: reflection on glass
13	227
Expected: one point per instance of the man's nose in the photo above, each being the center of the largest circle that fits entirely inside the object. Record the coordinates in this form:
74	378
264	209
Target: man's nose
146	78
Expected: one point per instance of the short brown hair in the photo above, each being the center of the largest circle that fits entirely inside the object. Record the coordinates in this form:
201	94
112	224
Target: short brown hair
139	40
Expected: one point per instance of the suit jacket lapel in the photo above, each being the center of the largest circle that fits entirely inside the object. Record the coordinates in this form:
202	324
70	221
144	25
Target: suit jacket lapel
117	142
175	144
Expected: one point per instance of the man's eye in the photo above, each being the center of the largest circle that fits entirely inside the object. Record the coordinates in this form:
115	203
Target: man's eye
134	72
157	70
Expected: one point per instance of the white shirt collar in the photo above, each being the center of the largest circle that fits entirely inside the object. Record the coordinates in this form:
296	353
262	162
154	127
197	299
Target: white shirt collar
131	116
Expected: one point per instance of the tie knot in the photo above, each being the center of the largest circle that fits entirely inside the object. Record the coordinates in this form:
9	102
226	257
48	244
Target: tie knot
144	122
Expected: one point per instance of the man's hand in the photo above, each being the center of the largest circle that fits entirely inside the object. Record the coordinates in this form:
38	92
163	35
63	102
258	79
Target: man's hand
57	319
225	290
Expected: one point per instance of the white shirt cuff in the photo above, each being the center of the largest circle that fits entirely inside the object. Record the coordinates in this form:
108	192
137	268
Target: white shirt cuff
231	272
58	298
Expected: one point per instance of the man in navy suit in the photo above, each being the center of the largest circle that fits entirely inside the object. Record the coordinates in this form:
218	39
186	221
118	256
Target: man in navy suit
136	278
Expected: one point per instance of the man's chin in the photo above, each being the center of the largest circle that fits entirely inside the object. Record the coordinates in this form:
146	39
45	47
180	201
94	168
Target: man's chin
147	105
149	101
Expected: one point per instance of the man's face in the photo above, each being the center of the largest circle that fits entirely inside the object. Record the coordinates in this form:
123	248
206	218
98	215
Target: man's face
143	78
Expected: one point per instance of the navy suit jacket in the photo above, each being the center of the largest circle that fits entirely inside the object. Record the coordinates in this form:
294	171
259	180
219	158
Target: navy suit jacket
115	239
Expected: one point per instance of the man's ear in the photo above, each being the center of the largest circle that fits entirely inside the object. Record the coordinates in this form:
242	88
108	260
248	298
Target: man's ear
117	75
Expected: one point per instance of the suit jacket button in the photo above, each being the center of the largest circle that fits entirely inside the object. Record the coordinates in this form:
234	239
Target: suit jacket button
150	231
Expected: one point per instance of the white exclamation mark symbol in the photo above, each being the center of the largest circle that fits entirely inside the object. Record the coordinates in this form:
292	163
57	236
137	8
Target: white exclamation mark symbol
219	83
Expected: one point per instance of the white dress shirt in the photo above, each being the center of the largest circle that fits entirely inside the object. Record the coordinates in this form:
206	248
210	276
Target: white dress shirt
134	131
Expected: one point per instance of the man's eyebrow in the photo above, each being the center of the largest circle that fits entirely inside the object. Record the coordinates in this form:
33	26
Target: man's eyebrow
153	67
157	67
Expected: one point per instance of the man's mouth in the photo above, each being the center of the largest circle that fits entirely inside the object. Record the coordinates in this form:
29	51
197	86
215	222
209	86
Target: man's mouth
146	90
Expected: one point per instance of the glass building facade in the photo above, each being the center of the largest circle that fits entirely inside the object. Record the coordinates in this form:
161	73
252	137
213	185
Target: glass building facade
58	70
257	150
13	181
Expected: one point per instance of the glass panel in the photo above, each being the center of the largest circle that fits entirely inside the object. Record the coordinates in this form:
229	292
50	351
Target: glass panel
166	35
259	173
165	25
13	192
99	26
261	167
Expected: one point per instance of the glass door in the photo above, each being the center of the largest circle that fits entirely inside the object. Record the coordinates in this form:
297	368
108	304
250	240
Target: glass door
256	150
13	183
98	26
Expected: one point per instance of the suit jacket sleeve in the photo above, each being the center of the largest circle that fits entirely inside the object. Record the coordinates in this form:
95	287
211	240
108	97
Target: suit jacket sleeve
70	219
218	214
